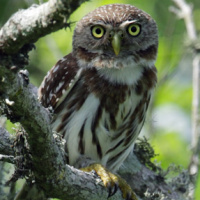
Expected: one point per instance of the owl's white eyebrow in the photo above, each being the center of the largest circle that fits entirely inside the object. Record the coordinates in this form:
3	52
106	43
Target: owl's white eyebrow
128	22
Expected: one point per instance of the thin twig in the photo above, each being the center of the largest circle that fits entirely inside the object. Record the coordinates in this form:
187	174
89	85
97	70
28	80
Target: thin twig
184	11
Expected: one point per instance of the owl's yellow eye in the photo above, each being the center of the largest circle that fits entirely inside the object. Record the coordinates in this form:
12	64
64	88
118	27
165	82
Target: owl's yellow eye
134	29
98	31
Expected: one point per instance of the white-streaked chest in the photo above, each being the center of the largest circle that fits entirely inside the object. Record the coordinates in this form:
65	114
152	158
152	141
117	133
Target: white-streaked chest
81	122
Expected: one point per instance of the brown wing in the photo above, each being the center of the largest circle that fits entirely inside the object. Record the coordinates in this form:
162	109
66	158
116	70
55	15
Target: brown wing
58	81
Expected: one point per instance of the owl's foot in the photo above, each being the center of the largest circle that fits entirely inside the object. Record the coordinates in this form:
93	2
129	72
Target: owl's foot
112	181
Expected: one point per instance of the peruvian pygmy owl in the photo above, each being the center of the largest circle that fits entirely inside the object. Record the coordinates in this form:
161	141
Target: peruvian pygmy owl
100	92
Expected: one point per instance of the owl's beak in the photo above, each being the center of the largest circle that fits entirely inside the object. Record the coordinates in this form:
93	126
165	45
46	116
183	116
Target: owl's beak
116	43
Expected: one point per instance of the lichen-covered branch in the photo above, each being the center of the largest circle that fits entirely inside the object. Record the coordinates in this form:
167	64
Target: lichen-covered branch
48	159
149	184
27	26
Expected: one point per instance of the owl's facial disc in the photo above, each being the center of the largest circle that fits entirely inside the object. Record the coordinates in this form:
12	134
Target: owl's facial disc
115	36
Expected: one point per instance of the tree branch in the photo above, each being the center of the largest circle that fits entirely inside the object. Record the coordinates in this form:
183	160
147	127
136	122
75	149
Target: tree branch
149	184
27	26
184	12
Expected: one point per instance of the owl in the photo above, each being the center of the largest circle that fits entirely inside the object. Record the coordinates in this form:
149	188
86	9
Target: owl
100	92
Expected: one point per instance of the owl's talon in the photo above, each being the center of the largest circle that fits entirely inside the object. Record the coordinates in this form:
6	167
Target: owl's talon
112	190
109	190
128	197
112	182
116	186
110	193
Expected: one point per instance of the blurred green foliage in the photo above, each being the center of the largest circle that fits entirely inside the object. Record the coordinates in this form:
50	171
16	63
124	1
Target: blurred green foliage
174	91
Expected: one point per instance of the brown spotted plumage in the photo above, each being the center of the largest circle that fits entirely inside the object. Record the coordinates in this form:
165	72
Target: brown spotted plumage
101	91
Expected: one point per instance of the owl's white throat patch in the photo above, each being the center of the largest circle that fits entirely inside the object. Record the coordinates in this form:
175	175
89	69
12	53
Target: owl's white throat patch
128	75
123	70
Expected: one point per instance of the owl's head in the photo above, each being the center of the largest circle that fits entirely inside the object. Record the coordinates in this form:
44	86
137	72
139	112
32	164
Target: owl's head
115	32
